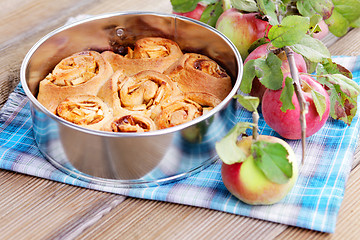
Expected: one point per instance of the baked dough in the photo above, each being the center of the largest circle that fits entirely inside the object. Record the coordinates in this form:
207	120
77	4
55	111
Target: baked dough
197	73
152	53
154	86
141	92
82	73
184	108
87	111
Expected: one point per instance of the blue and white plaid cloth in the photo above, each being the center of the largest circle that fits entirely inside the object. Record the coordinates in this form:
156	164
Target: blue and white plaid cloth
313	203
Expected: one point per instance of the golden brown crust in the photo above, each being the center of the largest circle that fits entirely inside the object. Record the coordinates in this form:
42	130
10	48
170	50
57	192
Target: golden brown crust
109	92
137	93
87	111
82	73
152	53
198	73
138	97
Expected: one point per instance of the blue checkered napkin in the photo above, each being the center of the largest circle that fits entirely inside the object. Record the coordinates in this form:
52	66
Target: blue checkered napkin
313	203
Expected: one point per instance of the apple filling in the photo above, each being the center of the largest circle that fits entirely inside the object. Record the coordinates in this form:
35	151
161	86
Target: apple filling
133	123
150	48
143	91
207	66
177	112
151	51
85	112
74	71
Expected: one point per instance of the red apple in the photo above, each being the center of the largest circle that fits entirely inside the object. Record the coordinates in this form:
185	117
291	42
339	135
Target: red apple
249	184
195	14
258	89
242	29
287	124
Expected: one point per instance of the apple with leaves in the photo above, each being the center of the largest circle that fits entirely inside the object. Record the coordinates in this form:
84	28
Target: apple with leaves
290	26
261	52
285	119
246	181
259	169
243	29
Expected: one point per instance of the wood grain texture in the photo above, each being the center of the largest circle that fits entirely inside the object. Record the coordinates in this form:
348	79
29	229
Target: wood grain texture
158	220
34	208
347	45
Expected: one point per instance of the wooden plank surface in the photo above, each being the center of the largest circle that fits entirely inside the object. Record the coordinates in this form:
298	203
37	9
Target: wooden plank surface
34	208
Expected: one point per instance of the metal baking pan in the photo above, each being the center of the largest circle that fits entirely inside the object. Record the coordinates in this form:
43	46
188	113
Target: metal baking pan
129	159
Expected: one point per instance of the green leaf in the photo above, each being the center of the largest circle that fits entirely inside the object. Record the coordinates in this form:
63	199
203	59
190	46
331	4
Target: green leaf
248	102
249	74
245	5
315	19
330	67
267	70
349	9
183	6
227	149
291	31
310	66
268	8
319	101
212	13
345	14
287	94
338	25
272	160
355	24
343	107
311	48
305	9
343	91
309	8
347	85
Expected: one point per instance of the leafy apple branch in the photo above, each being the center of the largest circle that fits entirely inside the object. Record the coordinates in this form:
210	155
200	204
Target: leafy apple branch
293	24
302	102
296	81
292	33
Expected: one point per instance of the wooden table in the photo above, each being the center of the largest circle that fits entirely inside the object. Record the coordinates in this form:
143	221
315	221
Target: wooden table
34	208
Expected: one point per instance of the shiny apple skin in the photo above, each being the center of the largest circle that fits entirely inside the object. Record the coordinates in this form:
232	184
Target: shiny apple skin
287	124
249	184
242	29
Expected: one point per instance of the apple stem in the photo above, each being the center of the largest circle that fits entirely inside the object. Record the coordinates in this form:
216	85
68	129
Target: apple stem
302	102
255	119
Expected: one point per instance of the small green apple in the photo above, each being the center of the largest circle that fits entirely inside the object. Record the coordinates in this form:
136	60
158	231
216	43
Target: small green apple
247	182
258	169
